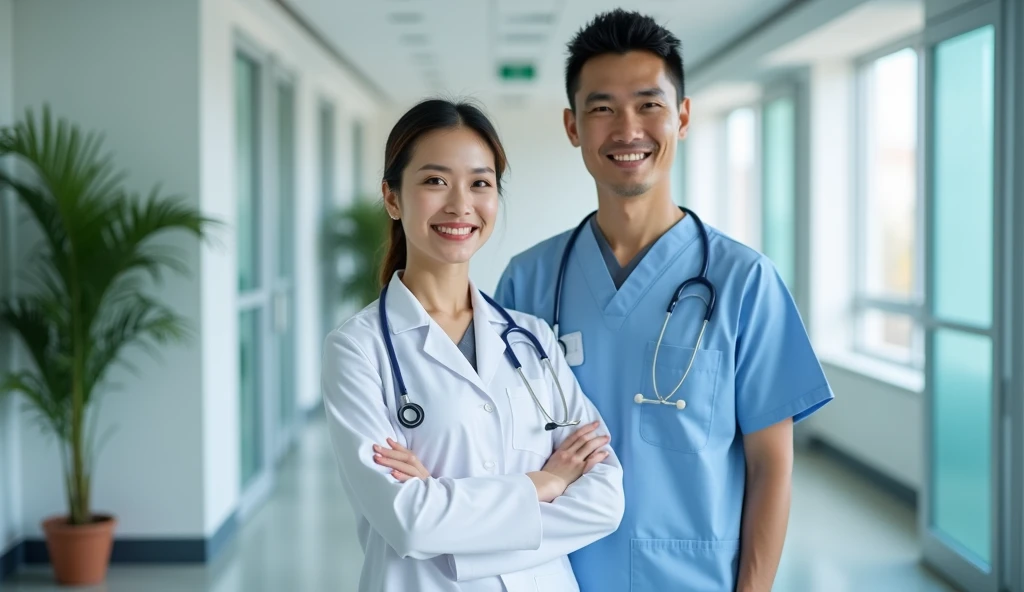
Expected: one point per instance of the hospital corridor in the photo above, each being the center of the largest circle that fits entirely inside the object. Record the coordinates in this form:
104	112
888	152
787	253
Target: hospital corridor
370	296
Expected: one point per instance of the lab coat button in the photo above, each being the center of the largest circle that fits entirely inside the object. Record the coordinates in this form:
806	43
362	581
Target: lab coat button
489	408
489	465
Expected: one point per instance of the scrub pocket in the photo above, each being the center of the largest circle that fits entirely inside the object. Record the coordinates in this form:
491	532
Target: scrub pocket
672	564
664	426
528	433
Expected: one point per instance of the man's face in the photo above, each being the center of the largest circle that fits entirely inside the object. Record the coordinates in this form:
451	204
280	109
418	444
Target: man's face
628	121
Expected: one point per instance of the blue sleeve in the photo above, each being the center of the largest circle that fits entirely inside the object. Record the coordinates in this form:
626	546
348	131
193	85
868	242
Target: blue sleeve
778	374
504	294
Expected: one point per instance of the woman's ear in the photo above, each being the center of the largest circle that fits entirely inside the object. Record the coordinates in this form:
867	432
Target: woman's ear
391	201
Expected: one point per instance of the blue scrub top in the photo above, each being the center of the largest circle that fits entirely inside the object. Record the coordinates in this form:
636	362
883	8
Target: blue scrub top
684	471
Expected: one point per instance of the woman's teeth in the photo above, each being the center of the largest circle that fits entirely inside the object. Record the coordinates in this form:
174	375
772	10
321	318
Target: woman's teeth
629	157
454	231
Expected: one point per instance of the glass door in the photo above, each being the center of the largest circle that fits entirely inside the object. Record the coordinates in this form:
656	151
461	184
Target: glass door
283	296
328	264
253	301
961	519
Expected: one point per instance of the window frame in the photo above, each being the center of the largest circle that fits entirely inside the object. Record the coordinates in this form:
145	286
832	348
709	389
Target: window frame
863	302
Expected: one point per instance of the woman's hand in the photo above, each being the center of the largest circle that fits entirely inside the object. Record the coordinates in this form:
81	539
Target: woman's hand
577	455
401	460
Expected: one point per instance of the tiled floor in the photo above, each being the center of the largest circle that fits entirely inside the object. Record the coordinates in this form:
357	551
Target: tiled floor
844	536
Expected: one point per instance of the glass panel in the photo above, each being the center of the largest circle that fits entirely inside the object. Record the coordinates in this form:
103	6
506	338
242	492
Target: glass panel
286	366
961	436
889	206
285	348
741	137
247	172
249	390
329	276
962	177
779	155
286	177
679	175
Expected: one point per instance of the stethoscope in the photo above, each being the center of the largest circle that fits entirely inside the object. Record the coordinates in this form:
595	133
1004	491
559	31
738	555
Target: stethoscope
709	306
410	415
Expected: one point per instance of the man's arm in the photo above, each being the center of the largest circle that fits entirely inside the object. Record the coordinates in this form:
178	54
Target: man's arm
766	504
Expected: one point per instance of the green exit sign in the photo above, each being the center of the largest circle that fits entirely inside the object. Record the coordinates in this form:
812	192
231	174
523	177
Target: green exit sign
517	71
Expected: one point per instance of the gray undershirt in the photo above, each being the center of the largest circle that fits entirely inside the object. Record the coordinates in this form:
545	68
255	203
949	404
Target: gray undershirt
467	345
618	273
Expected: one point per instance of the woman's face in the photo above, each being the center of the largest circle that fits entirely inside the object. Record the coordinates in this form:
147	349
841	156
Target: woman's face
448	199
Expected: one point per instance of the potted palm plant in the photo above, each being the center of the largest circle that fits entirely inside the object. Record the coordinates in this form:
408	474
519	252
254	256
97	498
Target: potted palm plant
358	234
86	305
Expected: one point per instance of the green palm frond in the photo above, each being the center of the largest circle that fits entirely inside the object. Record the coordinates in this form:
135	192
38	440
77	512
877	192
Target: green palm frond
359	232
88	304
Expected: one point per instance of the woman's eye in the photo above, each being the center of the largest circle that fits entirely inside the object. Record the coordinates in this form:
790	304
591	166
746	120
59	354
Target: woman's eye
435	181
481	183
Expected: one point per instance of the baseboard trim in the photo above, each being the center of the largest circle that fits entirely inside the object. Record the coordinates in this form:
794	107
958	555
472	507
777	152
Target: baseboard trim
10	560
879	479
132	550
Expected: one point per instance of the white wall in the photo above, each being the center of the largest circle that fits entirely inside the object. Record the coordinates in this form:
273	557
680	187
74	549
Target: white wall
547	191
127	69
10	493
318	77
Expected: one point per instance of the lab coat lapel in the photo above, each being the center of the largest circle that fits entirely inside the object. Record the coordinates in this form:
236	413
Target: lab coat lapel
490	348
405	313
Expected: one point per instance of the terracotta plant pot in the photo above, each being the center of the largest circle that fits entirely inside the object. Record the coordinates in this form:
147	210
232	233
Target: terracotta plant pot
80	554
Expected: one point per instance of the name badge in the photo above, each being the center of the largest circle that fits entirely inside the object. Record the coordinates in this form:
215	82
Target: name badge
572	345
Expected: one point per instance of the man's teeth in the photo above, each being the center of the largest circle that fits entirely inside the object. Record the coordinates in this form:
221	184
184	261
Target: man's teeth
454	231
629	157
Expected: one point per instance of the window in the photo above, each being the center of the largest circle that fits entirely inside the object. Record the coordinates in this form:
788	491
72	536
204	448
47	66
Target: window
889	215
779	186
742	213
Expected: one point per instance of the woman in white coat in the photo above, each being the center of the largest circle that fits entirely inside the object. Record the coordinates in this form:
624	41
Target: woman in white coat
479	496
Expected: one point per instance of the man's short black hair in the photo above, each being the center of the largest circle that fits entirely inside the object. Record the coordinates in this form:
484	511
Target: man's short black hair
620	32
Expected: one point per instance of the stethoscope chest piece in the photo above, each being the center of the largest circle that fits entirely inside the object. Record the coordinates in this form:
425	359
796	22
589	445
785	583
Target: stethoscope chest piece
410	414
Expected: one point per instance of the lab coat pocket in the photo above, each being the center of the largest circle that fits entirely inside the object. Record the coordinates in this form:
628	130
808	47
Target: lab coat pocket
528	422
684	430
672	564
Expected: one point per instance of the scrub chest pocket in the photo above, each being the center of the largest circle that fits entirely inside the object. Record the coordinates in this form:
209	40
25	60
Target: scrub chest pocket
686	430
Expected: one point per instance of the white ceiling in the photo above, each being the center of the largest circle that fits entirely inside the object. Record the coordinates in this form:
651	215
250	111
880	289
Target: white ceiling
416	48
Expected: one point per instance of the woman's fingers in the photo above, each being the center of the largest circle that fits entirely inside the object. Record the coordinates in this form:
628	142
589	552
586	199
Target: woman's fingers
391	463
579	437
592	445
402	477
396	445
402	455
594	459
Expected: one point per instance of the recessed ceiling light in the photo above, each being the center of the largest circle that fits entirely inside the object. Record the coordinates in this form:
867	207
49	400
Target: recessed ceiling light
524	37
533	18
413	39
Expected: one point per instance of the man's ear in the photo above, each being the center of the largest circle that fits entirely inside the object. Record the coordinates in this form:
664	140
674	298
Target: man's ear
569	120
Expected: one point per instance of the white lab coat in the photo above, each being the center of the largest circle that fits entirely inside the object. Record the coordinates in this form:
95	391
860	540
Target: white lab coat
476	524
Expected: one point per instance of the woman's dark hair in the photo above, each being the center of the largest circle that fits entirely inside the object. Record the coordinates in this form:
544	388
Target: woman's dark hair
428	116
620	32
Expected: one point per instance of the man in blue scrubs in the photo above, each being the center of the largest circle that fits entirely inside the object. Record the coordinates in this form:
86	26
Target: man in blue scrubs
708	484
